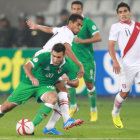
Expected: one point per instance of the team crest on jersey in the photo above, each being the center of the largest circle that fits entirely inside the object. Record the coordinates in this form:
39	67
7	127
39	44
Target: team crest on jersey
124	85
59	71
35	59
94	27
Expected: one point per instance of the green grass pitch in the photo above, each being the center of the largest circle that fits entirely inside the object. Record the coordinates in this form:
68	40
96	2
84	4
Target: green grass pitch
102	129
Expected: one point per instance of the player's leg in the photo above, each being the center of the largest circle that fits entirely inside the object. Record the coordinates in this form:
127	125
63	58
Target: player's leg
119	99
89	78
73	103
64	106
72	93
17	97
50	99
92	98
125	87
6	107
50	127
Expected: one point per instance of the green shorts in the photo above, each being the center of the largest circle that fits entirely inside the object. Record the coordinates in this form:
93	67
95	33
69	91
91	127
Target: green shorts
25	91
89	68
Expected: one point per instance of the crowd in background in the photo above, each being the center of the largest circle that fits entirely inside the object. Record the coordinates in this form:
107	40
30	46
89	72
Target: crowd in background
22	36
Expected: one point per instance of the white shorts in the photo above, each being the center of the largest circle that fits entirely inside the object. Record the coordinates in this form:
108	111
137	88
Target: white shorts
127	76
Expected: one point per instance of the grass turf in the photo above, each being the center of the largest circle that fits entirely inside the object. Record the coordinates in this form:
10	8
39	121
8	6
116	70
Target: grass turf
103	128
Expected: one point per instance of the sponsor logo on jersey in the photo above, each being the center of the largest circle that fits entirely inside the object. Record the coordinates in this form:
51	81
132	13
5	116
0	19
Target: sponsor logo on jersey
59	71
49	75
35	59
94	27
47	68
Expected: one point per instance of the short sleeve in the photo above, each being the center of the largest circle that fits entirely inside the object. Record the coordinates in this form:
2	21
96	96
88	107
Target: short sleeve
39	59
114	32
55	30
92	27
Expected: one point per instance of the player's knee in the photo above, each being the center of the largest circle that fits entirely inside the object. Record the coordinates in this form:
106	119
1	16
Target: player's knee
53	99
89	85
63	96
60	87
7	107
124	94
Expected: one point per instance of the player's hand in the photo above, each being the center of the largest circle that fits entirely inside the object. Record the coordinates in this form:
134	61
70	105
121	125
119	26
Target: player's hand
65	78
78	40
34	81
81	71
31	25
116	67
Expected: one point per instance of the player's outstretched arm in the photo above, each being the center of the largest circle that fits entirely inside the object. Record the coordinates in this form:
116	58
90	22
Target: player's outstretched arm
34	26
116	66
72	56
73	83
96	38
28	70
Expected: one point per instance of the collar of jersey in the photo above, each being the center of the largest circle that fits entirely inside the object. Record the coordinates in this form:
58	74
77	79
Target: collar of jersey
62	63
126	23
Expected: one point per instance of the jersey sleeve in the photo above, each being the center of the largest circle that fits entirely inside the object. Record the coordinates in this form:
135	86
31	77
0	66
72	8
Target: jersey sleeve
39	59
68	39
56	29
92	27
113	35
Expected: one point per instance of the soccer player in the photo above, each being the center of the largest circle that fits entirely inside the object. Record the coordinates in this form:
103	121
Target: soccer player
64	34
126	34
42	72
82	48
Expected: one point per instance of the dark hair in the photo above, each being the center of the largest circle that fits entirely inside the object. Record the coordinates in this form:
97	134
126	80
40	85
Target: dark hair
77	2
74	17
122	4
59	47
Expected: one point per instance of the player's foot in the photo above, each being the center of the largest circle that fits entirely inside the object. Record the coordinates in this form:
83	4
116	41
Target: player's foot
117	121
93	116
51	131
71	122
72	111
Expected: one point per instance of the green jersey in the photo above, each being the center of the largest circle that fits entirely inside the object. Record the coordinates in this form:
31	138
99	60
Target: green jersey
46	72
84	52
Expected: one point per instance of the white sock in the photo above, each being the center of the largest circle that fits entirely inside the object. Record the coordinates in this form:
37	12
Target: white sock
64	105
93	109
54	117
0	110
117	105
73	106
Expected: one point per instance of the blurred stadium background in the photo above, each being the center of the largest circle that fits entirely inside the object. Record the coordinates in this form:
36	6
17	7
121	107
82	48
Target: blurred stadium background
103	13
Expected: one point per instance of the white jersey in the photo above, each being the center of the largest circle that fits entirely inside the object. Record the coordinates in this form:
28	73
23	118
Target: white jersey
61	35
121	33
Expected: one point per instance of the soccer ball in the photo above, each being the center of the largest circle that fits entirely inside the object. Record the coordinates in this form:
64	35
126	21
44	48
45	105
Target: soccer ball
25	127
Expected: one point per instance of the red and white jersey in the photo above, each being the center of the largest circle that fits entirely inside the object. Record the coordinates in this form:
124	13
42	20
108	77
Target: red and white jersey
121	33
61	35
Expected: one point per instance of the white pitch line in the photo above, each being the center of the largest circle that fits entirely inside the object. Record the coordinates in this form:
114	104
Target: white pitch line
83	138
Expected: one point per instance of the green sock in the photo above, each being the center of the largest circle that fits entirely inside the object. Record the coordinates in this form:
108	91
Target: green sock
92	98
72	92
42	113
